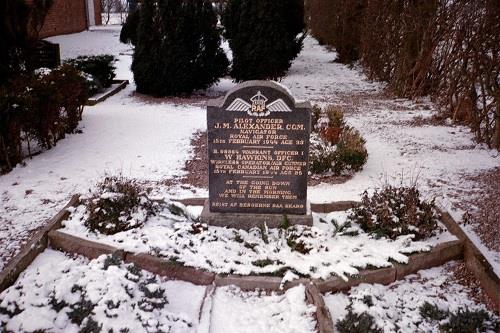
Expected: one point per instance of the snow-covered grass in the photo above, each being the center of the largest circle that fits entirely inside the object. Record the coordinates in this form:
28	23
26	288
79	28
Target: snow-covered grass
62	294
319	251
396	307
249	312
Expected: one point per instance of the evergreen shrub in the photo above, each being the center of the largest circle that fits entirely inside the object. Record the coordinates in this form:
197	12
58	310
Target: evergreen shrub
335	147
118	205
357	323
100	68
178	47
128	34
264	36
394	211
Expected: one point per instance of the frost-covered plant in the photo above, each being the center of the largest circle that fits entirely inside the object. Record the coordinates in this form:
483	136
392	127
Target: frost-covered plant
395	211
432	312
101	67
351	153
118	204
335	116
334	146
357	323
465	320
321	154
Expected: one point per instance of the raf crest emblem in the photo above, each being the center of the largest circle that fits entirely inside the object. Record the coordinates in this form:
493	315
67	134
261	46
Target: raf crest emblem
258	108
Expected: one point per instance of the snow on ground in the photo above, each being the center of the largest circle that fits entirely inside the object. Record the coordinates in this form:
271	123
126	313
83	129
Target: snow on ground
251	312
62	294
150	140
395	308
318	252
123	135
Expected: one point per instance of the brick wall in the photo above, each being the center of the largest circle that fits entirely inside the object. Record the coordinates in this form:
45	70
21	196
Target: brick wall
97	10
68	16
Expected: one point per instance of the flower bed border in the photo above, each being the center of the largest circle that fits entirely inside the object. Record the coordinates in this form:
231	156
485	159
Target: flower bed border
110	92
439	255
36	245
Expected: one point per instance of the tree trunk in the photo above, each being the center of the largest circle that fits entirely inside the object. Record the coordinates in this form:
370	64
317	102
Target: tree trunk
495	141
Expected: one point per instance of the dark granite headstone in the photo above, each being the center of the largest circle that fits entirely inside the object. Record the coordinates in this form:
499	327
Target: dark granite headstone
258	147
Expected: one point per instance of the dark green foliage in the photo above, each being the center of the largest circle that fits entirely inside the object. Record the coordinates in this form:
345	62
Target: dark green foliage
264	36
112	206
113	260
198	228
153	298
296	244
91	326
395	211
178	47
466	321
286	223
80	310
432	312
357	323
134	273
262	262
128	34
100	67
39	109
55	304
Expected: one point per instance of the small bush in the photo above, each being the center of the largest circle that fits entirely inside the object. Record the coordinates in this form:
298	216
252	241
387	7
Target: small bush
334	146
321	155
38	109
351	153
395	211
154	296
128	34
357	323
465	321
118	205
432	312
100	67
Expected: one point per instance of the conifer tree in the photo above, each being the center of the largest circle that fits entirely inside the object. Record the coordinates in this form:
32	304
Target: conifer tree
178	47
264	36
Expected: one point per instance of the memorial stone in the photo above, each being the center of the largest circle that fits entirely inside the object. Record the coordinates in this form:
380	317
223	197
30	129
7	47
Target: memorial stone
258	148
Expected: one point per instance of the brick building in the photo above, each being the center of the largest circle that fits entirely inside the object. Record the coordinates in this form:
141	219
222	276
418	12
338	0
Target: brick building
69	16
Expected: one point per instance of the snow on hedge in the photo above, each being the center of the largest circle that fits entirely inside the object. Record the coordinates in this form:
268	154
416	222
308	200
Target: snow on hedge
319	251
249	312
60	294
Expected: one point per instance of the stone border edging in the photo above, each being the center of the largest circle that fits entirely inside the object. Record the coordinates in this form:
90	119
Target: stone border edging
122	84
323	317
438	255
475	260
36	245
171	270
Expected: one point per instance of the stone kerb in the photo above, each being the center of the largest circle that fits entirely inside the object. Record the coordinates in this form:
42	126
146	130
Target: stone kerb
439	255
323	317
36	245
